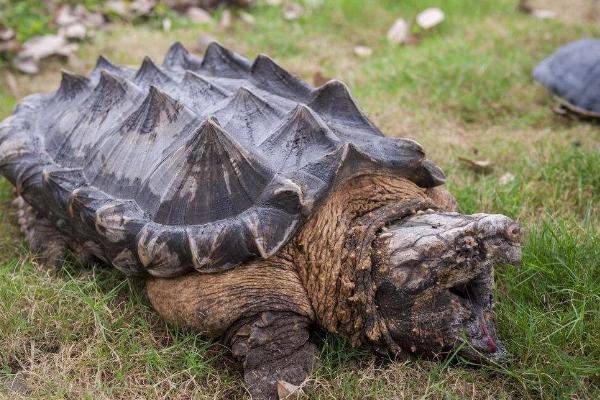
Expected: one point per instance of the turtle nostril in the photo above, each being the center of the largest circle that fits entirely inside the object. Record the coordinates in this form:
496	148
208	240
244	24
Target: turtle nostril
513	232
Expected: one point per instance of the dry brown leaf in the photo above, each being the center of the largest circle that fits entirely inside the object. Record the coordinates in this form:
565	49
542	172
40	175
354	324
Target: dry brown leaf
247	17
398	32
199	15
483	166
142	8
65	16
430	18
166	24
288	391
26	66
75	31
543	14
226	22
578	11
363	51
117	7
94	19
40	47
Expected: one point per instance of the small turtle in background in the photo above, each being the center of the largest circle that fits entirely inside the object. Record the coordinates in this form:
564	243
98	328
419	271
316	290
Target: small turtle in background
572	74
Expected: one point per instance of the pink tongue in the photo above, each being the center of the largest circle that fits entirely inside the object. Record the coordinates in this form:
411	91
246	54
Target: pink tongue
489	341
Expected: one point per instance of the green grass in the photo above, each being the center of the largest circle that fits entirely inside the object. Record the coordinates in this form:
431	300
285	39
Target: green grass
27	18
465	90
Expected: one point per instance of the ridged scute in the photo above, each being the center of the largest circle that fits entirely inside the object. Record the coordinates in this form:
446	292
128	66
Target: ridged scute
573	75
197	163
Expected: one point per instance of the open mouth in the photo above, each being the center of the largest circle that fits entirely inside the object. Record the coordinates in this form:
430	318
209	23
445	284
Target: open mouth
476	291
435	281
477	335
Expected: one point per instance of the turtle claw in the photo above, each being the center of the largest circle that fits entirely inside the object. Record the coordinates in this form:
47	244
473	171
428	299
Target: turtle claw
276	354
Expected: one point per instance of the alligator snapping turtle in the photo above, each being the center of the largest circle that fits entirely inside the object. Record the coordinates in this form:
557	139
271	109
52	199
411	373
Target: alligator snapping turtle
572	75
255	207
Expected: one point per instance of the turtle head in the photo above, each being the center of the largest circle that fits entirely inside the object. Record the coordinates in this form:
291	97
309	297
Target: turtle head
434	278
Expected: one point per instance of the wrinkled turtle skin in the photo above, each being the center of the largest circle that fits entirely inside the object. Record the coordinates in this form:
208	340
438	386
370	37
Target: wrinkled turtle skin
256	208
572	74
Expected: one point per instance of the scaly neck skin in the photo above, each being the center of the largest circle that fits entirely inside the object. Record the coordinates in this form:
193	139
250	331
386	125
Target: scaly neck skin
333	251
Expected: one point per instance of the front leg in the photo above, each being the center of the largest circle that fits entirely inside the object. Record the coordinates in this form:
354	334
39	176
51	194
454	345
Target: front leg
275	351
259	309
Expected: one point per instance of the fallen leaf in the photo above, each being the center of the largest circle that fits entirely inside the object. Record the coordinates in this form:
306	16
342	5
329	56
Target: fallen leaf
166	24
288	391
199	15
543	14
88	18
363	51
247	17
572	11
506	178
94	19
430	17
483	166
65	16
26	66
76	31
40	47
292	12
226	21
399	32
142	7
319	79
117	7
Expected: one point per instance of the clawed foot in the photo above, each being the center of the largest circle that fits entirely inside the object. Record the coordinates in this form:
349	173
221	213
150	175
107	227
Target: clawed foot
276	354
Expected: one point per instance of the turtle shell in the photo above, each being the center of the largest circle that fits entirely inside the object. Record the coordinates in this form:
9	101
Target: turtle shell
573	75
195	164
